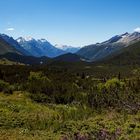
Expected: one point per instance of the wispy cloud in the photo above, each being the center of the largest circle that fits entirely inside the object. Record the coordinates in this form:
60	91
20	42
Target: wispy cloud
137	29
10	29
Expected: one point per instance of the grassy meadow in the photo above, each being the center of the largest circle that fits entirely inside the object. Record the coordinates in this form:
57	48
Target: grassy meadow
51	103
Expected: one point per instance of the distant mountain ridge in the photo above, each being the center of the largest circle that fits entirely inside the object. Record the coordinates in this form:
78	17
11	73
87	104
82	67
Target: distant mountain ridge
6	47
68	49
126	56
26	50
14	44
69	57
33	52
40	47
99	51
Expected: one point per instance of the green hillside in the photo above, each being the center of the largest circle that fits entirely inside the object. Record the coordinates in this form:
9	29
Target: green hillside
8	62
69	57
31	60
127	56
6	48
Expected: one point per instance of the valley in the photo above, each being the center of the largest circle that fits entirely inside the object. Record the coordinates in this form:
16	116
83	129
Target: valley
69	69
70	96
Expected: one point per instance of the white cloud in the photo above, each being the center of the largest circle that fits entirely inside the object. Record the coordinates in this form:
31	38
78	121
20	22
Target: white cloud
10	29
137	29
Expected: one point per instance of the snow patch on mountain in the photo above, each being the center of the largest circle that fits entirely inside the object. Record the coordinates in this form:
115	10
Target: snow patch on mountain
68	49
39	47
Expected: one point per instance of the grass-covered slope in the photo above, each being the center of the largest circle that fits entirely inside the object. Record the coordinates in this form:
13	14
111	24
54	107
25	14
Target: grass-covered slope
31	60
8	62
23	119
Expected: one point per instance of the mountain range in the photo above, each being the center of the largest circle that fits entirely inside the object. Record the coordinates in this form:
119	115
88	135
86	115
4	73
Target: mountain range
31	51
99	51
127	56
14	44
39	51
40	47
68	49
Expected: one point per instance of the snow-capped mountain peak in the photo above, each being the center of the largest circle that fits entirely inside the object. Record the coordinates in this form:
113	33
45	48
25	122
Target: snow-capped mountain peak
25	39
19	39
42	40
129	38
39	47
125	35
28	38
69	49
14	43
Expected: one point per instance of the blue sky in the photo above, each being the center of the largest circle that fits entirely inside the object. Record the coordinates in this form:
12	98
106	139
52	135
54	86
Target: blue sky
70	22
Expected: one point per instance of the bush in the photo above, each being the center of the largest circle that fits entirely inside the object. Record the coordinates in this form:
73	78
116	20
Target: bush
6	87
108	94
40	98
113	84
38	83
3	85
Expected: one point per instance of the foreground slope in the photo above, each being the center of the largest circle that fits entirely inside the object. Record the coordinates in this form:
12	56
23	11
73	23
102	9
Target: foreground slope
22	119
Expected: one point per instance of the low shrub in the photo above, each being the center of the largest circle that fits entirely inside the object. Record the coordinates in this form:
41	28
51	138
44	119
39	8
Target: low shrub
38	83
6	87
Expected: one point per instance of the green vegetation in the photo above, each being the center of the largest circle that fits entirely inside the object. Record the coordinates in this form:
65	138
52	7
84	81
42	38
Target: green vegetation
60	103
7	62
6	87
22	118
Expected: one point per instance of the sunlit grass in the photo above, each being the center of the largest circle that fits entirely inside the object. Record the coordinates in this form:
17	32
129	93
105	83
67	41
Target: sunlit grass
21	118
